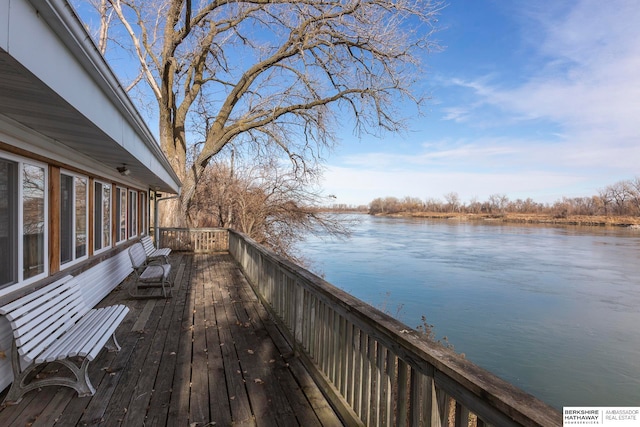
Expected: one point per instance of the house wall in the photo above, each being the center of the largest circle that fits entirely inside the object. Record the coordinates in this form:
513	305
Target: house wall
101	272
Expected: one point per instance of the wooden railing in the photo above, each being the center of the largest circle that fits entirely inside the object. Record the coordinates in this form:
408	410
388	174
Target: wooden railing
375	370
196	240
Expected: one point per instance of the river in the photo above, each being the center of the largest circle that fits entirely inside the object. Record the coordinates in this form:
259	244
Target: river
553	310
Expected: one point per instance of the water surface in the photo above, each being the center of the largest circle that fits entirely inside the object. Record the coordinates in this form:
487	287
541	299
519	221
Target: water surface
553	310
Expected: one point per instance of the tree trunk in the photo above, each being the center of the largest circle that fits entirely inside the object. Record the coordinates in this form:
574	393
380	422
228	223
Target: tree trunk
172	212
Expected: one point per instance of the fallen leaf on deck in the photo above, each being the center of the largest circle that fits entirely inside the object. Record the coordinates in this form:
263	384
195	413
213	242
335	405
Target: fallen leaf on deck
3	355
272	361
250	351
258	381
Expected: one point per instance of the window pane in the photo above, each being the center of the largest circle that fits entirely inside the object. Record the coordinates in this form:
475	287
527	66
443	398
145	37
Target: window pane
122	194
143	213
97	216
8	223
66	218
133	213
106	217
33	192
81	216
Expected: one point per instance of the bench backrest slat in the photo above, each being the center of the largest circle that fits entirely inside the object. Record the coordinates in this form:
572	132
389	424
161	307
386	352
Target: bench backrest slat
32	348
54	316
7	309
148	245
39	318
34	322
138	255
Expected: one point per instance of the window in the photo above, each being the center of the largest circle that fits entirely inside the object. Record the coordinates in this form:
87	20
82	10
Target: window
102	216
121	212
73	217
133	214
23	220
143	213
8	222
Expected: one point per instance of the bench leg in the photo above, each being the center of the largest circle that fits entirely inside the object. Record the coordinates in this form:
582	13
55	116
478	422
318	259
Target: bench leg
19	387
166	281
112	344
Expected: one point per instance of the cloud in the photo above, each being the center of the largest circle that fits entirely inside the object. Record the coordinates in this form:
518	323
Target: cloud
587	80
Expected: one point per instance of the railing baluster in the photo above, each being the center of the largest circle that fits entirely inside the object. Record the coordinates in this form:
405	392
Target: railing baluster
372	380
388	386
415	398
357	372
350	368
401	400
365	383
378	389
462	416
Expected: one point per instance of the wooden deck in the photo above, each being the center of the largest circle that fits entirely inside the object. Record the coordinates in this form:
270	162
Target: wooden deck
208	356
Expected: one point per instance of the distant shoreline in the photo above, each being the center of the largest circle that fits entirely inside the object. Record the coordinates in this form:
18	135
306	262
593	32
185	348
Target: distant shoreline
586	220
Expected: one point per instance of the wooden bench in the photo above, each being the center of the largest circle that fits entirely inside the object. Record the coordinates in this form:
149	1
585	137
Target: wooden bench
153	252
53	324
149	272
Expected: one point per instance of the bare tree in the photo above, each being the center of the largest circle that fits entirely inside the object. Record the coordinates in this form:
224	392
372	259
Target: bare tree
273	73
270	204
453	201
634	194
498	202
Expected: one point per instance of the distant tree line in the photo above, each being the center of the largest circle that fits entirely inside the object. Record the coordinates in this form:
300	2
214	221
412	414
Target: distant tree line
619	199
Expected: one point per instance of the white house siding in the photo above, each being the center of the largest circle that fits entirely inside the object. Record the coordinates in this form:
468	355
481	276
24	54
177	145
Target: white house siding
101	279
96	282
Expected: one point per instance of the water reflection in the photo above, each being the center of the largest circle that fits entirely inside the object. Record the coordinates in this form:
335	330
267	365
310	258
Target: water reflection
552	309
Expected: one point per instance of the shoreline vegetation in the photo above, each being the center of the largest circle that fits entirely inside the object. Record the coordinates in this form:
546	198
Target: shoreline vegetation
617	205
529	218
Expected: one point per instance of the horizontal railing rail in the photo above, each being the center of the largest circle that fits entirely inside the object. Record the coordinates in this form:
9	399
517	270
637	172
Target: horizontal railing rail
374	369
198	240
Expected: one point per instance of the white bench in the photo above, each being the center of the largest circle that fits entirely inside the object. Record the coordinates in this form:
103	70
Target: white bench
53	324
153	252
148	272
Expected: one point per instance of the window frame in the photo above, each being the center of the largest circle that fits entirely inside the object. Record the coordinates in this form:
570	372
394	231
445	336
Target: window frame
102	218
119	211
143	213
74	258
19	281
132	214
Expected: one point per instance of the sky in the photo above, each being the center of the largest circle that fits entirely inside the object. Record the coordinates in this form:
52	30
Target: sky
528	99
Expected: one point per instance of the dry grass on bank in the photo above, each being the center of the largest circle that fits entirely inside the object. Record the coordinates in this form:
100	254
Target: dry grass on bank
619	221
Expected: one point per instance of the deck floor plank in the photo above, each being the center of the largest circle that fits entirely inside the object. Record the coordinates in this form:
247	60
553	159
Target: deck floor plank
292	408
241	409
163	388
218	396
178	410
199	393
210	355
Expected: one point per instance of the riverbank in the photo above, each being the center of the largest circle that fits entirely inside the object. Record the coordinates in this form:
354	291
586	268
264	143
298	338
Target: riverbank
613	221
